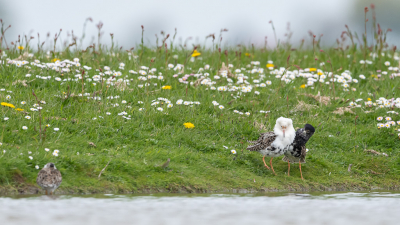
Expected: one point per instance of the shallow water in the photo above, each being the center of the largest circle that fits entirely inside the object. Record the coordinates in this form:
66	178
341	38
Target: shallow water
279	208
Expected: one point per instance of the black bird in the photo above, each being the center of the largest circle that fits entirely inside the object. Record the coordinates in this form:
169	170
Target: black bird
296	152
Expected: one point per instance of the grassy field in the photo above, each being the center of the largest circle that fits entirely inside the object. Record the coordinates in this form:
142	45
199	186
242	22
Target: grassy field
127	115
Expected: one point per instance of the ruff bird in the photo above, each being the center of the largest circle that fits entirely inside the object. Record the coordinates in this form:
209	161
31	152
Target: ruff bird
49	178
296	152
274	143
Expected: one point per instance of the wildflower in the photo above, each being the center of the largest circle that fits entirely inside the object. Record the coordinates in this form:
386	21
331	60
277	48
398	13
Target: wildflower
221	107
388	118
8	105
23	102
387	63
21	47
1	144
55	154
56	129
6	118
4	151
303	86
170	105
167	87
46	149
141	109
108	113
379	118
47	125
313	69
55	60
195	53
24	127
189	125
160	109
56	151
8	97
30	157
268	82
37	167
233	151
123	102
19	109
247	114
270	65
27	117
257	92
368	99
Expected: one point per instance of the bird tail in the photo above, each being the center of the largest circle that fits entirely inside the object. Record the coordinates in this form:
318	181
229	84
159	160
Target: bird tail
253	147
291	160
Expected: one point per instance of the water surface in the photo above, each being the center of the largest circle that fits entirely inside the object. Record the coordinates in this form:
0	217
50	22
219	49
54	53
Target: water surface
279	208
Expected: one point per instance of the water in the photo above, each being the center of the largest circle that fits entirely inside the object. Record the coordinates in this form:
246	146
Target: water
318	208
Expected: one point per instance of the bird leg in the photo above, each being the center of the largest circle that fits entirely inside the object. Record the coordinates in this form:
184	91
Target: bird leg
300	170
270	163
46	192
265	163
288	169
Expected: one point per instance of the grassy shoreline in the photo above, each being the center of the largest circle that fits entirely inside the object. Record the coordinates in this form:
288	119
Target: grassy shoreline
128	108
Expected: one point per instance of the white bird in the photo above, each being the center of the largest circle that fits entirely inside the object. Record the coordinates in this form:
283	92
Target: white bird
274	144
49	178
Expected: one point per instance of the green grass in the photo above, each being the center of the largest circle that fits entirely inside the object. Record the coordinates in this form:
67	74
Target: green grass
199	161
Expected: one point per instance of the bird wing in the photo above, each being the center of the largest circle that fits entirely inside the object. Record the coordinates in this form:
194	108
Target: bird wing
56	177
41	176
265	140
303	154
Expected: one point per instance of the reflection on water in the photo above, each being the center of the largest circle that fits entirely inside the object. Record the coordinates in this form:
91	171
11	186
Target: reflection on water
279	208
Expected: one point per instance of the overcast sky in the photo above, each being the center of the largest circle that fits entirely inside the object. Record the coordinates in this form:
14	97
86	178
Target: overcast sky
246	20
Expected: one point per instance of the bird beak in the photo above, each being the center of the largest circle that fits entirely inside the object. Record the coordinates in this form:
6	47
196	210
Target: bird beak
304	132
283	133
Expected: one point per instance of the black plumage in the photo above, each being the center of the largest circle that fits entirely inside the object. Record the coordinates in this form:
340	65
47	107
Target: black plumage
296	152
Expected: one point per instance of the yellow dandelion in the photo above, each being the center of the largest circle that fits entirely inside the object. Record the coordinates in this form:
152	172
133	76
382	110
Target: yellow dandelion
55	60
313	69
7	105
189	125
320	73
303	86
368	99
19	109
195	53
270	65
21	47
167	87
247	54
